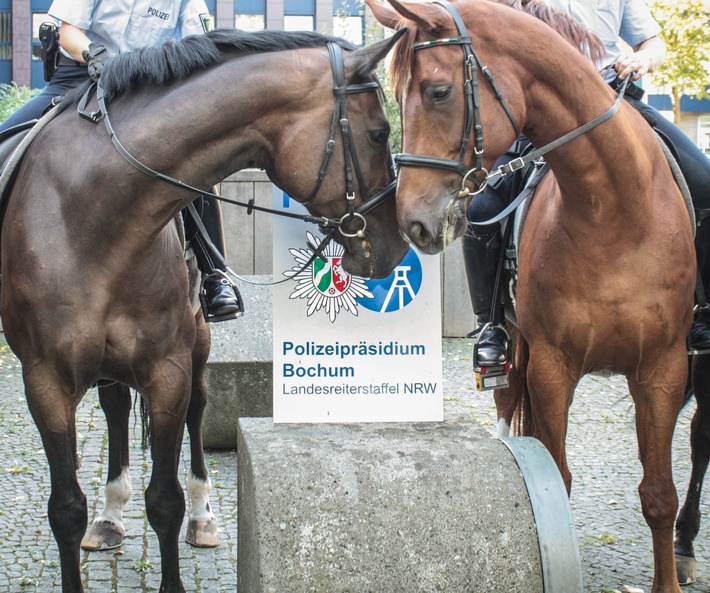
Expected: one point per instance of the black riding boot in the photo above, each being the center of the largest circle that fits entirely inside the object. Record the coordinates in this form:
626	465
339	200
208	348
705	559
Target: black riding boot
220	299
481	254
699	337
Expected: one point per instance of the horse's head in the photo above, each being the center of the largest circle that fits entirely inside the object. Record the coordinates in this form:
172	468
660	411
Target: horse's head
446	104
339	166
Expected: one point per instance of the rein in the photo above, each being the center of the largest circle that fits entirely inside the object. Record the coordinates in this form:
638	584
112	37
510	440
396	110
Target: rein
340	119
472	121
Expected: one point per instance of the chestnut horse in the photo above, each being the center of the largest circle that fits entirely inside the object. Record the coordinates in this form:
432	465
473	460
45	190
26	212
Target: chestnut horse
606	266
94	283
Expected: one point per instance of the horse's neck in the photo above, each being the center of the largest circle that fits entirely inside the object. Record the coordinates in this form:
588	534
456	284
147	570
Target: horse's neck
220	121
618	152
200	132
598	161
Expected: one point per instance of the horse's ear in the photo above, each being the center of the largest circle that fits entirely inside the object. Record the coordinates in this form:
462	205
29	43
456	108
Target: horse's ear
426	15
385	15
367	58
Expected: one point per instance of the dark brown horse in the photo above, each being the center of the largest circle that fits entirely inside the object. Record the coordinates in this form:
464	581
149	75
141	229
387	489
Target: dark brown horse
688	522
94	283
606	257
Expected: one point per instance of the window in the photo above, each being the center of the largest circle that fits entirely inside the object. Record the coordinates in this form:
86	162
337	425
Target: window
349	20
5	35
250	15
249	22
299	15
349	27
704	134
297	22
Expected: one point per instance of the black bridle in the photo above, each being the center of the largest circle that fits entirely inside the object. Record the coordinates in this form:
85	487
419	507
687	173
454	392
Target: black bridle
339	121
472	120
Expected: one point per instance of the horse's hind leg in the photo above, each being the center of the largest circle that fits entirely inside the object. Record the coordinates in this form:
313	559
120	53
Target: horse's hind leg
688	522
202	528
551	386
658	400
107	530
53	411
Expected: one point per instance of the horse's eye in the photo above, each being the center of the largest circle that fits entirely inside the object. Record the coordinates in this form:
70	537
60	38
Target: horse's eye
439	94
379	137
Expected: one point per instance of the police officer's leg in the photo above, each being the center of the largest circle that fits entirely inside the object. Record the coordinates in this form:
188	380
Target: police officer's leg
221	299
699	338
481	251
482	246
64	79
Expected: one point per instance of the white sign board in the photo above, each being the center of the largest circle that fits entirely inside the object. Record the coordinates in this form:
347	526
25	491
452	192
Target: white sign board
347	349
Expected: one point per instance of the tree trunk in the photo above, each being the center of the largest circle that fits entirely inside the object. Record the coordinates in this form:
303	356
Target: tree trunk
677	93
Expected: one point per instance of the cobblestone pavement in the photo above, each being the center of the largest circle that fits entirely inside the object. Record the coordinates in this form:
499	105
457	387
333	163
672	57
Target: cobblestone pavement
29	559
614	540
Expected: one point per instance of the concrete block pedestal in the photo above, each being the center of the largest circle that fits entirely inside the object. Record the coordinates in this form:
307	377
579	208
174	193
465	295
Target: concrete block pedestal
400	508
239	372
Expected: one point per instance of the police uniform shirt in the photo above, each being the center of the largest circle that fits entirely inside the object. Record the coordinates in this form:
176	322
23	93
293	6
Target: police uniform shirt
125	25
630	20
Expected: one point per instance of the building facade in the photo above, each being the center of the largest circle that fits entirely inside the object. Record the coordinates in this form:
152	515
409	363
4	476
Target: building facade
695	117
20	21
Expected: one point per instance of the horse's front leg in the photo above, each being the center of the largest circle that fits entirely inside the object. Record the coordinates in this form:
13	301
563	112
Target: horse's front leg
54	412
167	397
688	522
202	530
107	530
658	398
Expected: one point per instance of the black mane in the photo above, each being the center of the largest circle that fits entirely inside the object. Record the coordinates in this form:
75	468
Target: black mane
177	60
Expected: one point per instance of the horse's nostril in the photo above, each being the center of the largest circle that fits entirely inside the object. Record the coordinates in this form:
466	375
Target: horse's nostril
417	233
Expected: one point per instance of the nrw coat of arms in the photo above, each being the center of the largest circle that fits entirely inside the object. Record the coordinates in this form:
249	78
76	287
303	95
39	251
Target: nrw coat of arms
324	282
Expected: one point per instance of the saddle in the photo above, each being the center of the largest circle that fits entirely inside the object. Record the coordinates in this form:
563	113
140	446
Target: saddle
14	143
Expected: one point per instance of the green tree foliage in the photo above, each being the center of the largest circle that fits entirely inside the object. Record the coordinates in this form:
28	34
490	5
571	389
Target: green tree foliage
686	33
12	97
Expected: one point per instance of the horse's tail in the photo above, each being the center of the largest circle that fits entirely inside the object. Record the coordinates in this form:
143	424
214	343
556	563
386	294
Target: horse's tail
145	423
523	424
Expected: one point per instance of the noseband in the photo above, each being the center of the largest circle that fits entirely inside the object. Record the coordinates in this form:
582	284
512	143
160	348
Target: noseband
472	119
340	120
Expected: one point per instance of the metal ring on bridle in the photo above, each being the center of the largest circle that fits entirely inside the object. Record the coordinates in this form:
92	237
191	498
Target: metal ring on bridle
350	217
480	188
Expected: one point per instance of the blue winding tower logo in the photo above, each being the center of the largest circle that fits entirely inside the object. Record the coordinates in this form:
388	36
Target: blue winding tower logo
397	290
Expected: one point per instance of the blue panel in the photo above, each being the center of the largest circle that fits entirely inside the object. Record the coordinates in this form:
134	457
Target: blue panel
687	104
211	5
300	7
249	6
660	102
6	5
40	5
5	71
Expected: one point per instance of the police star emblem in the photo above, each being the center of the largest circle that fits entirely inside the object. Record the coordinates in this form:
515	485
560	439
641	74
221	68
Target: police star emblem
323	281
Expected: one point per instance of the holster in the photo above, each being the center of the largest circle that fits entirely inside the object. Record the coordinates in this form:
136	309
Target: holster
49	39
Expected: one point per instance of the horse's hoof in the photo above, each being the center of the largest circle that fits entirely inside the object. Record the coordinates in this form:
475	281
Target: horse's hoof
202	534
687	569
103	536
